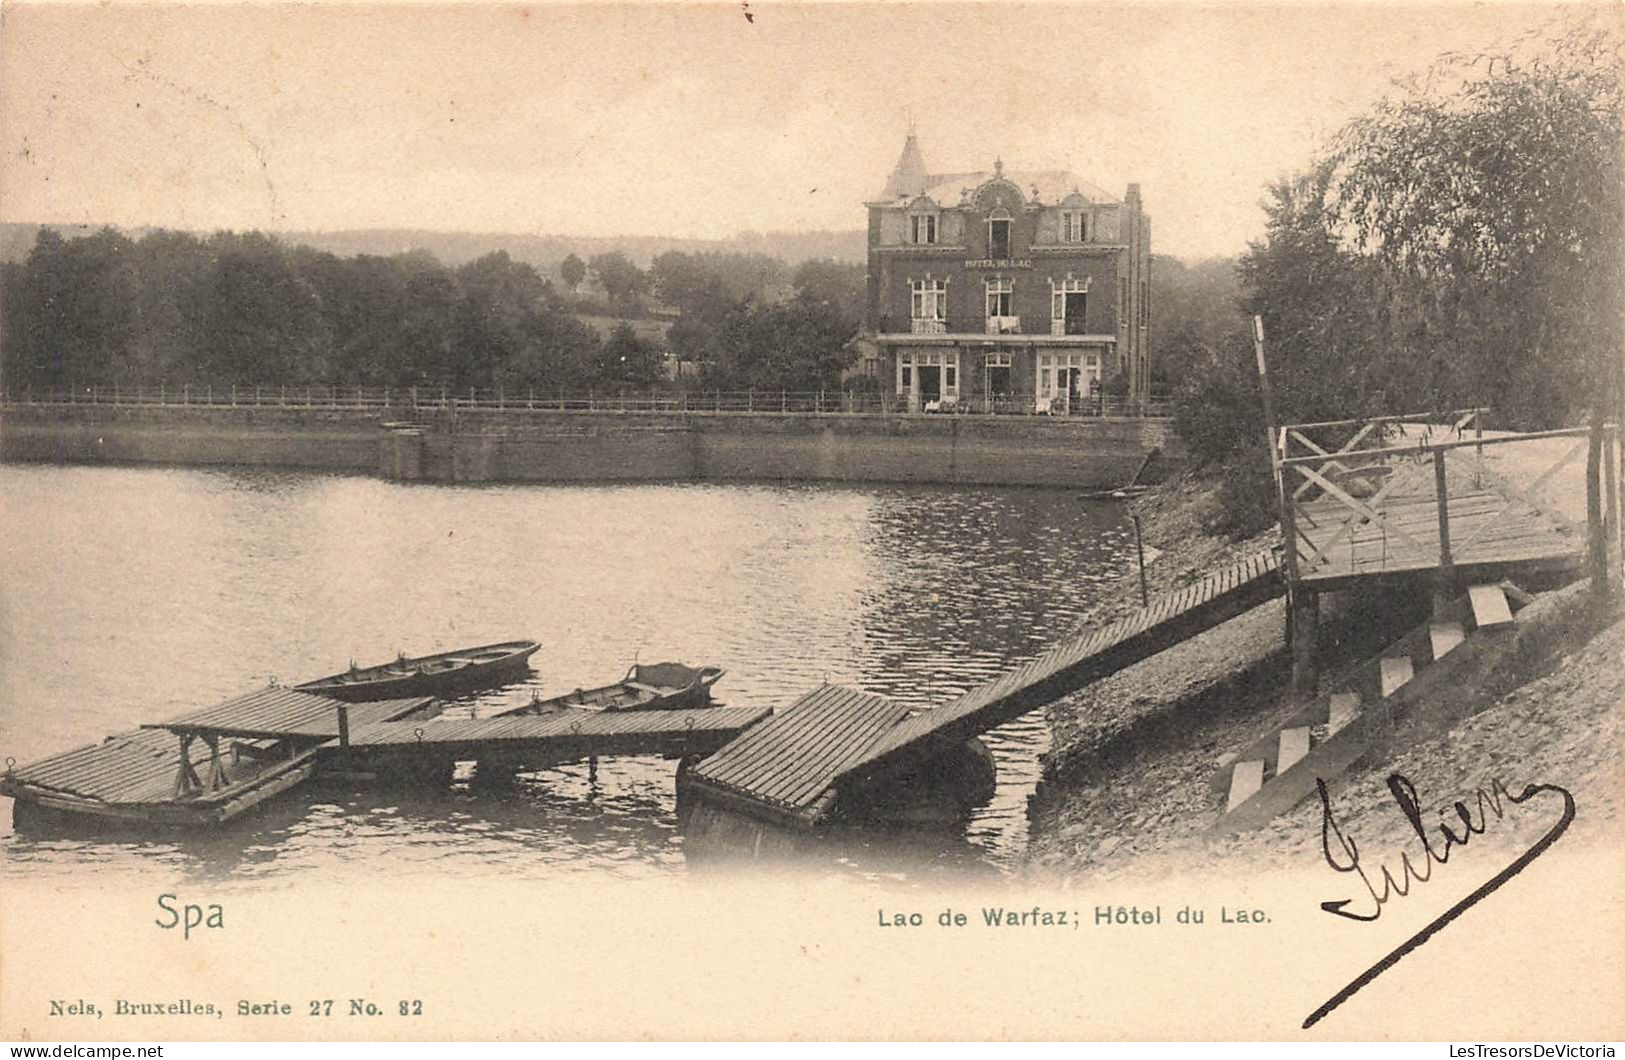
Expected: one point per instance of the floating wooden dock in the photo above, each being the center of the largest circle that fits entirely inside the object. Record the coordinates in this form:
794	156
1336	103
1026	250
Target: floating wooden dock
537	740
255	746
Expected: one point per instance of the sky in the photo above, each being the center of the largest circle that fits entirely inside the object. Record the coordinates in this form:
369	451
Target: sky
682	120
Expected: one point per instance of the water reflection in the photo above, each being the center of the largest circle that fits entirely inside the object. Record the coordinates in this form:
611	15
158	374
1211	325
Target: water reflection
132	594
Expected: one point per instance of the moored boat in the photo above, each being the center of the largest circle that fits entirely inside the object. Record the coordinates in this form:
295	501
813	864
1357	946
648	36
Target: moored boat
658	686
427	674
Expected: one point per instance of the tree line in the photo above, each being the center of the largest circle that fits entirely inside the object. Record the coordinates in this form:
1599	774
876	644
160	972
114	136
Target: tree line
248	309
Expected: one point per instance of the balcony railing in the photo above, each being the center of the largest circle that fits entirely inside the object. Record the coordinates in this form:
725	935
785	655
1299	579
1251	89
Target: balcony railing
1004	325
928	327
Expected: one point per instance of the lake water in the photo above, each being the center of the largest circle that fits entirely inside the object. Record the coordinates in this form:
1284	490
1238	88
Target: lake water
134	594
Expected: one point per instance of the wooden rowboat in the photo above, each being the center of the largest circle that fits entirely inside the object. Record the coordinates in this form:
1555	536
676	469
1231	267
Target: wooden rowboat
427	675
659	686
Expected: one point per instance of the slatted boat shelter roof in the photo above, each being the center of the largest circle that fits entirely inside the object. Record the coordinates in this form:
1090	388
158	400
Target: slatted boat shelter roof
131	767
790	761
275	712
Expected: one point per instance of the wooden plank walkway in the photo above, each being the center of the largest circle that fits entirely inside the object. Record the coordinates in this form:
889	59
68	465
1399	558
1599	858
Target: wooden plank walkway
1077	661
555	737
790	761
833	739
1491	535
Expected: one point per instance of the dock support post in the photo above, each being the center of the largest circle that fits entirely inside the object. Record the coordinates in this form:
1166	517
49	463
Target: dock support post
186	778
1305	605
344	733
592	769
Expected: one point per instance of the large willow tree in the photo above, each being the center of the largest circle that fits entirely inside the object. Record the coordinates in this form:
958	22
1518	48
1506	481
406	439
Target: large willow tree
1490	193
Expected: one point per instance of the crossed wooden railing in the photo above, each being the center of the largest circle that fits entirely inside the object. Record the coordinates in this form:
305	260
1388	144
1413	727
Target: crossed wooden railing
1336	477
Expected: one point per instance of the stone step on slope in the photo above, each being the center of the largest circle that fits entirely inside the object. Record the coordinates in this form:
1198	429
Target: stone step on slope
1397	671
1445	636
1490	607
1294	745
1245	780
1343	709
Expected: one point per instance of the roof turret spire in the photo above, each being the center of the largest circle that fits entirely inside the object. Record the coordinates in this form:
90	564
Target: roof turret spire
909	178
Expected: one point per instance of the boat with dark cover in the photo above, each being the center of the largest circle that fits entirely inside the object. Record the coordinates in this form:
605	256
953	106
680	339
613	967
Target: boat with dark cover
426	675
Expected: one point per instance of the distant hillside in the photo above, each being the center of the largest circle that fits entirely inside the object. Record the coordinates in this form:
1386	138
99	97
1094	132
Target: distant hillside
544	252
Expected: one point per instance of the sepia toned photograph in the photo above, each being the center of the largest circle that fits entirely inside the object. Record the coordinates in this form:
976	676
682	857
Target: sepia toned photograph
1087	520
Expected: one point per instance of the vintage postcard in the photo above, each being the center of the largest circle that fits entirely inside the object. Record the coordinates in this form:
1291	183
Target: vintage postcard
811	521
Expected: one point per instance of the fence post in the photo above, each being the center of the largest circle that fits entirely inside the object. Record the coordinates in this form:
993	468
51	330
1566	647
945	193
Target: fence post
750	399
186	393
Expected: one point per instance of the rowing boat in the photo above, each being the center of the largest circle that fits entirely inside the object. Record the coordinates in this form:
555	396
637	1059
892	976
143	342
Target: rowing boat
658	686
427	675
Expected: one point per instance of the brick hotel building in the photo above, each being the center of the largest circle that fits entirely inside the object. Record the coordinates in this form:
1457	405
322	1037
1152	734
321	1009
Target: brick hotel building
1005	291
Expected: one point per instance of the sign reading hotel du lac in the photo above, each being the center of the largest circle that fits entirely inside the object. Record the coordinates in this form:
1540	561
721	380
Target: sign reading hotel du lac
999	263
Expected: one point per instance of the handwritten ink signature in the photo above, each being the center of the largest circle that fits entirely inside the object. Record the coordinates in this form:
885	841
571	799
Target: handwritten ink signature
1436	850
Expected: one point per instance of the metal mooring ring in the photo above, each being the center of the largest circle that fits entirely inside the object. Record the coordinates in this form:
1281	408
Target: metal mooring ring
11	765
690	721
575	728
419	734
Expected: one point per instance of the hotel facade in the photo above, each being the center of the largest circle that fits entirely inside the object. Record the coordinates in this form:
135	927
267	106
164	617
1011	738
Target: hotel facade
1006	291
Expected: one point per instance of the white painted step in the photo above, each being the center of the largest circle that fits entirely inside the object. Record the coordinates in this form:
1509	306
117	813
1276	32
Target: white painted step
1294	745
1396	673
1490	606
1445	635
1344	706
1245	780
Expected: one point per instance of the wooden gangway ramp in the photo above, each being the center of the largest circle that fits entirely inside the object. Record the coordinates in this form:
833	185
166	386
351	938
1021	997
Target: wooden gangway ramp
566	735
794	768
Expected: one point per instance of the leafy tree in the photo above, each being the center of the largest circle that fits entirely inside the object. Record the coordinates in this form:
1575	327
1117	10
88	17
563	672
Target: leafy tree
266	322
628	361
798	345
1491	191
1196	305
573	270
623	281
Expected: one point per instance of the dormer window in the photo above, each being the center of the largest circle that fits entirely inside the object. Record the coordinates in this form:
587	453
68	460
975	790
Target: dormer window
998	239
1074	226
922	229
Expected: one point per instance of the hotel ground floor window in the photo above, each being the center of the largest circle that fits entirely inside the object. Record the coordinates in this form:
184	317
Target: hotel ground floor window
1067	380
926	377
996	385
